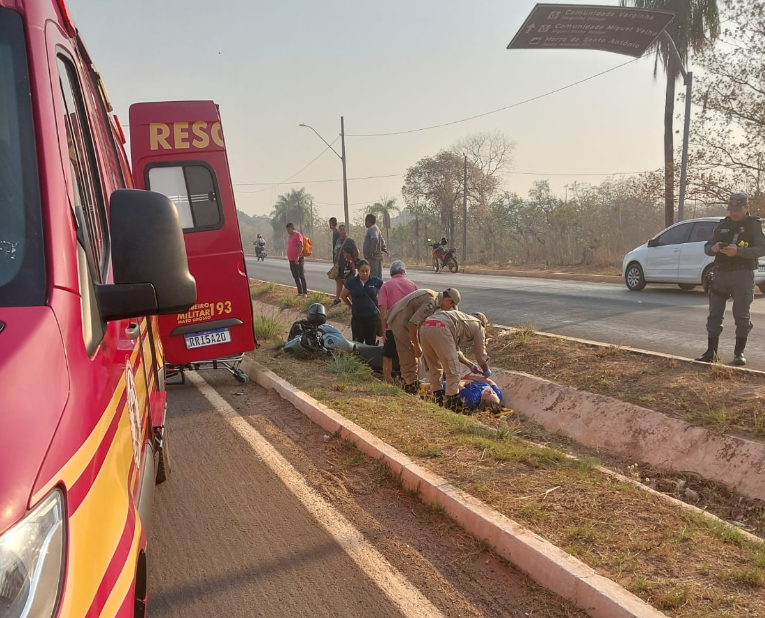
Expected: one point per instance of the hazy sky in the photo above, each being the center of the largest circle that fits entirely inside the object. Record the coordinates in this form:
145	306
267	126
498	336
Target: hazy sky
390	66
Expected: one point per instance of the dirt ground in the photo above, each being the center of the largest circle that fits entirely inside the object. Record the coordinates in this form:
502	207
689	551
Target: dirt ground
683	564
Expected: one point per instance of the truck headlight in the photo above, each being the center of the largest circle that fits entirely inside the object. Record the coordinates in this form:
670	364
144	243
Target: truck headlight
32	561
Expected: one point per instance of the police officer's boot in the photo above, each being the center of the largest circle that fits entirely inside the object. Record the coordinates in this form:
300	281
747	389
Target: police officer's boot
738	353
438	397
711	354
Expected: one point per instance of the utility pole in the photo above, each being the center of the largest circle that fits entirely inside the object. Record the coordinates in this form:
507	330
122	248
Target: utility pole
342	158
464	216
345	179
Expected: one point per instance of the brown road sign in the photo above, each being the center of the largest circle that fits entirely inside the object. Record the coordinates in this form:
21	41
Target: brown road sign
577	26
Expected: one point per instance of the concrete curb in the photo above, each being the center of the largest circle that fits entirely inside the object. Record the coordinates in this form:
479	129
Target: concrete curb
629	430
545	563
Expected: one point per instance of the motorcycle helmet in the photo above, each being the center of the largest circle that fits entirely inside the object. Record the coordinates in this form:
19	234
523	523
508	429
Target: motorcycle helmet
317	314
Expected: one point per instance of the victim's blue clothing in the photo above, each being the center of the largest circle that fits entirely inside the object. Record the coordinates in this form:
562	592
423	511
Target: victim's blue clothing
470	394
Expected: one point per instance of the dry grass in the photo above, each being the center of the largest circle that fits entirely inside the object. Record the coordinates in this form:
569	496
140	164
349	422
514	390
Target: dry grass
715	396
680	562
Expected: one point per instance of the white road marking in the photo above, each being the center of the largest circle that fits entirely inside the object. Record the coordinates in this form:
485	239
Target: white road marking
401	592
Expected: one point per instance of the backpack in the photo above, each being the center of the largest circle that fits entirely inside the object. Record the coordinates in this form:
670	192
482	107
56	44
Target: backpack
307	247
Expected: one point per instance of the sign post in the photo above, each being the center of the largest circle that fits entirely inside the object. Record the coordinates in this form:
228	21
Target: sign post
620	30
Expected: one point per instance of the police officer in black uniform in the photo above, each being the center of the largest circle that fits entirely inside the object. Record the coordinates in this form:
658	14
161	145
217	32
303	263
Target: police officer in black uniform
737	243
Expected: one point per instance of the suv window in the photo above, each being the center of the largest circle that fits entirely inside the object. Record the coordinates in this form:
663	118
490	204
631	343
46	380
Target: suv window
675	236
193	190
702	231
22	248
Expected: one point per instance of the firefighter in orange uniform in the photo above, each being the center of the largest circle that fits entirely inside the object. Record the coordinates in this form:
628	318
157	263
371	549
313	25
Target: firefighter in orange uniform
441	337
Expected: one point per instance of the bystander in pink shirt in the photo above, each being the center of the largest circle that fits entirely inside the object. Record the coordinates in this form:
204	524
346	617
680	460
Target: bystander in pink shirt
393	290
293	246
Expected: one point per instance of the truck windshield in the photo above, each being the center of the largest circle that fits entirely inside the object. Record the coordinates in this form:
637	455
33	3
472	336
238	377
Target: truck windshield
22	265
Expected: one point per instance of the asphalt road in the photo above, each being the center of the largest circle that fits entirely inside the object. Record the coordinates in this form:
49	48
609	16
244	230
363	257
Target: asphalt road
661	318
264	515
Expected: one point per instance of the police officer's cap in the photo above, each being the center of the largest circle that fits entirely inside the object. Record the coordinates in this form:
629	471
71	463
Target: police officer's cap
737	200
454	294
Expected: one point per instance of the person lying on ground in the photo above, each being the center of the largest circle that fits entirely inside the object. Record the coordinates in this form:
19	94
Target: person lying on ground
476	393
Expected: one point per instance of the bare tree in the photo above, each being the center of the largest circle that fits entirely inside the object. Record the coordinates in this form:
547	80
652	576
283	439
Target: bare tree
729	138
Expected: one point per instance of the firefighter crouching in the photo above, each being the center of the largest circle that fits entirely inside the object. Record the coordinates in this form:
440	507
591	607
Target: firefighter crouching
441	337
737	243
404	320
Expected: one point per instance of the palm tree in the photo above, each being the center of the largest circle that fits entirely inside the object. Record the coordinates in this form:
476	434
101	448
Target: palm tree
383	208
292	207
696	24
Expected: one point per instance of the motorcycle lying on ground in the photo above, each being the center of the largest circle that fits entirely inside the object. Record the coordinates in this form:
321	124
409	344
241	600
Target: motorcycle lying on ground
314	336
442	258
260	252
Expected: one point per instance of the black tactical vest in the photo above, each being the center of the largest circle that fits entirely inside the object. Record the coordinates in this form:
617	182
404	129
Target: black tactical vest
736	232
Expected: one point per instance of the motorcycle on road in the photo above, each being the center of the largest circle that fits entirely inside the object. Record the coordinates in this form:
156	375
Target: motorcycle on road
260	252
443	258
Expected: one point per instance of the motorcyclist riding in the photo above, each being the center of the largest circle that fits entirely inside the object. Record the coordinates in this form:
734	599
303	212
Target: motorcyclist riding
260	246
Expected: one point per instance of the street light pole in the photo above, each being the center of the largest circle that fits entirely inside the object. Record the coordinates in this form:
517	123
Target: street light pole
688	81
345	178
339	156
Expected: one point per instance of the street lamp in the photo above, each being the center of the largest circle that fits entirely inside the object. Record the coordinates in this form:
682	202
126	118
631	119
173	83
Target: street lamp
341	157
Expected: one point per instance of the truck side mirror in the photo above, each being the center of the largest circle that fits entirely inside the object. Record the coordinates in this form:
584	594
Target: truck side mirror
151	272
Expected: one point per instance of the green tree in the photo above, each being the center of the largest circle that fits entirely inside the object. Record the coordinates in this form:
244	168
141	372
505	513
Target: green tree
295	206
382	210
695	26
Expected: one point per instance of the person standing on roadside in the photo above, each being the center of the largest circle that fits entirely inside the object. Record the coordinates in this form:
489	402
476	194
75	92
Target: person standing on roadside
296	260
736	243
340	240
392	291
360	294
335	236
404	320
441	336
374	246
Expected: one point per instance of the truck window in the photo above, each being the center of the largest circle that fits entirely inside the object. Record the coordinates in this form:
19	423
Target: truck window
82	163
193	190
22	257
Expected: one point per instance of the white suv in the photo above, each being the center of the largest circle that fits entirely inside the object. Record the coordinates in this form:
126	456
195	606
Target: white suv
676	255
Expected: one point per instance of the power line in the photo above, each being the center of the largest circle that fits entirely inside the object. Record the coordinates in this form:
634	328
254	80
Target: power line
494	111
254	184
356	203
302	169
510	173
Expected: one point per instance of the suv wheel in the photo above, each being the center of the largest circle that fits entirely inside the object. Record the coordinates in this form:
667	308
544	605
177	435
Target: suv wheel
634	277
